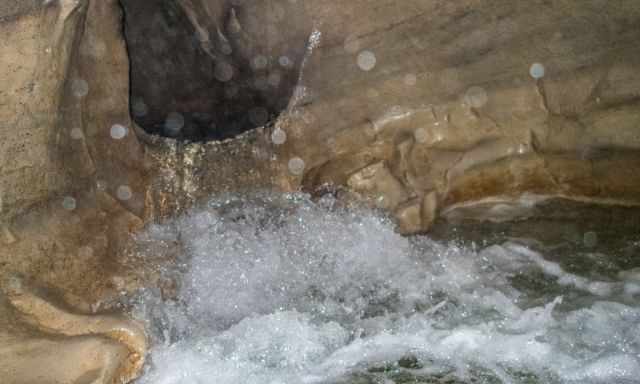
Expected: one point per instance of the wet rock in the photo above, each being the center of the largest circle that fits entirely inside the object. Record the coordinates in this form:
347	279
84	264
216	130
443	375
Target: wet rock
377	182
427	107
409	217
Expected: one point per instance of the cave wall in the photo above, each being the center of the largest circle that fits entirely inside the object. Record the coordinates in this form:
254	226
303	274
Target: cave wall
425	108
73	177
421	107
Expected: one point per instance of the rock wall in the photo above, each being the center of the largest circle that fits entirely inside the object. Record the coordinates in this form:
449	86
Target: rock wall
425	108
426	105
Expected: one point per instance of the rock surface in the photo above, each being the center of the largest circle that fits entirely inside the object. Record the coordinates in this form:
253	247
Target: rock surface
96	349
429	109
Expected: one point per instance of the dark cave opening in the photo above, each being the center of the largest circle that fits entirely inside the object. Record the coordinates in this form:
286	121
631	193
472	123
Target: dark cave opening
203	70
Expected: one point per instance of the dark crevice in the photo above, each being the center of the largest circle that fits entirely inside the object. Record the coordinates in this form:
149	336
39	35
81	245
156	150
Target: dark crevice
201	70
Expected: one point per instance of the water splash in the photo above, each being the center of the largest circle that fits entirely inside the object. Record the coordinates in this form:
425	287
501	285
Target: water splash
281	289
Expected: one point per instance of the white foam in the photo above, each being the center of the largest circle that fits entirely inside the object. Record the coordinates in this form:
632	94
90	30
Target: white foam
279	289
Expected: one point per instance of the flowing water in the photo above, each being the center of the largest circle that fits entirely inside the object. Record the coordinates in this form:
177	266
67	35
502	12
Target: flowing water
285	290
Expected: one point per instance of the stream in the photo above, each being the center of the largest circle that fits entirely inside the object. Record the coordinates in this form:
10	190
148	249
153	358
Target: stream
283	289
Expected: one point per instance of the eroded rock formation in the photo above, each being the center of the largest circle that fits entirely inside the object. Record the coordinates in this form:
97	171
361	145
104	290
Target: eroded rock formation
426	108
96	349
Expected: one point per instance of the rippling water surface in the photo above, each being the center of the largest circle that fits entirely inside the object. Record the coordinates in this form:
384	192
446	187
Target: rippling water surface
285	290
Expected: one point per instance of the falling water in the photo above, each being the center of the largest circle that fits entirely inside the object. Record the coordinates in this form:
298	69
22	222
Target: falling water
280	289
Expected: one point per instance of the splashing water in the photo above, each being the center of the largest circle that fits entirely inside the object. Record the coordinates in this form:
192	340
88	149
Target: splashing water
283	290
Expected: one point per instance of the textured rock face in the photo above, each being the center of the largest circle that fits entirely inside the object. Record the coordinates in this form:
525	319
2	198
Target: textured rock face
97	349
472	100
427	108
64	87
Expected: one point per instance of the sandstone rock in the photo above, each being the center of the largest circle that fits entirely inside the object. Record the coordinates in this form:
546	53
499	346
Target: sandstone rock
409	217
377	182
96	349
433	108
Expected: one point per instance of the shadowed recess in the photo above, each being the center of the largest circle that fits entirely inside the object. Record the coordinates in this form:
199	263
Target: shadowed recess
211	69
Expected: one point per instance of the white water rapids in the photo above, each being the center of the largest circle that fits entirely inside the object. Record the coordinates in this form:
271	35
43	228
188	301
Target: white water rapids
283	290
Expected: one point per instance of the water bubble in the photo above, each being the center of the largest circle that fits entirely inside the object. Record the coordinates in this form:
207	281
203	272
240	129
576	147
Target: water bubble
173	124
118	131
69	203
76	134
124	192
308	117
296	166
590	239
79	87
223	72
537	71
476	97
410	79
284	61
366	60
278	136
139	108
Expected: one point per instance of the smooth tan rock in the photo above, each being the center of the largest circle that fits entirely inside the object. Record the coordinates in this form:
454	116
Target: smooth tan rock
426	106
94	349
409	217
377	182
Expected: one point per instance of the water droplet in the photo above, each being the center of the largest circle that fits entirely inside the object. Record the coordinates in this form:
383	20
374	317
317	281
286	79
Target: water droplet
278	136
69	203
101	185
537	71
284	61
79	87
124	192
223	72
296	166
173	124
476	97
118	131
139	108
366	60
